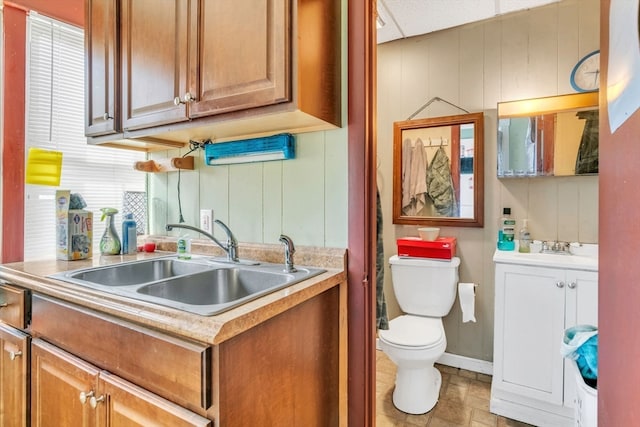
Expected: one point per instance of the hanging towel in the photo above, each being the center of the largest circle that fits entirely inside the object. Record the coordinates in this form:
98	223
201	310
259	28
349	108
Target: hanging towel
382	322
417	178
440	185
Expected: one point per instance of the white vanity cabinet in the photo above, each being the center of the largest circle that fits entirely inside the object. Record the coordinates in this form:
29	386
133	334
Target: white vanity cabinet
538	296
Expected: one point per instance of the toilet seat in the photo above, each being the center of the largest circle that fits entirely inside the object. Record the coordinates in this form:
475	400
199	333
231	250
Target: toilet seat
413	332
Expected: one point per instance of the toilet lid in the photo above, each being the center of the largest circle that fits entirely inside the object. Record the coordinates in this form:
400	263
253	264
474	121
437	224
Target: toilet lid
413	331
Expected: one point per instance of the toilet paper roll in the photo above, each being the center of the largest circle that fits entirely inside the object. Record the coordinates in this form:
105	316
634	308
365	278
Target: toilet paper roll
467	296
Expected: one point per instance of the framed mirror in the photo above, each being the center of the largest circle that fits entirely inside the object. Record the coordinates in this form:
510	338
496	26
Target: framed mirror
438	171
551	136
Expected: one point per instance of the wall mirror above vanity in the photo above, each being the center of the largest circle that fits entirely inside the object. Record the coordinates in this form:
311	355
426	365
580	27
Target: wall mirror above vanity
551	136
438	171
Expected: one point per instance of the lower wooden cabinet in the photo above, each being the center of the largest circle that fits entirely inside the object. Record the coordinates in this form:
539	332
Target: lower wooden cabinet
14	370
66	390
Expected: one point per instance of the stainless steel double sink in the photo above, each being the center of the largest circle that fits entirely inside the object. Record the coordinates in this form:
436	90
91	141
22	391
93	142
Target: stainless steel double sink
202	286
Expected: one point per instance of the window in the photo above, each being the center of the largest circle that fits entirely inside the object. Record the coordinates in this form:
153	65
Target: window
55	121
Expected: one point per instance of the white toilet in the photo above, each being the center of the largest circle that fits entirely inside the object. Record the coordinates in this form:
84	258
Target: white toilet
425	290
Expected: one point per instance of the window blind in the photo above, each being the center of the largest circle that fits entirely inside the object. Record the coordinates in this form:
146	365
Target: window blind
55	121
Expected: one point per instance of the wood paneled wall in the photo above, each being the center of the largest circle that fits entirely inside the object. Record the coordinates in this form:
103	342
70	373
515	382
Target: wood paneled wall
515	56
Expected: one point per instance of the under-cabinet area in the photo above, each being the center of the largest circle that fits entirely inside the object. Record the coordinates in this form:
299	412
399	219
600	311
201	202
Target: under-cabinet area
74	356
534	303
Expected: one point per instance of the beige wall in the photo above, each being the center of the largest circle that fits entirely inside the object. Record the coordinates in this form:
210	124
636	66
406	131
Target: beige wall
516	56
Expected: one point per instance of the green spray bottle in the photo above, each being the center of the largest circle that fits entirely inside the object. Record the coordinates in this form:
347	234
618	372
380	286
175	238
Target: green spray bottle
110	242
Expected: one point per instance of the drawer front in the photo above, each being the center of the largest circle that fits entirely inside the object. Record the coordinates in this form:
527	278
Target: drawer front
176	369
14	306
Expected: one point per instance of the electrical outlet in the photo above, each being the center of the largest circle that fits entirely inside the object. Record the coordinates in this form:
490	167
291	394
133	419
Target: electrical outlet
206	220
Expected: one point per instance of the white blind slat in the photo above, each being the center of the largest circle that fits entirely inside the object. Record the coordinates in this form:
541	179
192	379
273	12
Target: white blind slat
55	120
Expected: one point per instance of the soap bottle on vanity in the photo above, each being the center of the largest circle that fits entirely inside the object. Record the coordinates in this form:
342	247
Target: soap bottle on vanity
524	242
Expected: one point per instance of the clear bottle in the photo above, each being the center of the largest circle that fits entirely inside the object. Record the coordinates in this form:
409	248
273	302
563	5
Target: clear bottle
110	242
506	232
524	238
129	235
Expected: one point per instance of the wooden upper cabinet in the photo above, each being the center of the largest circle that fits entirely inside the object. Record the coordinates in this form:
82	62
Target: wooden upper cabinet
239	55
102	112
14	386
217	69
154	48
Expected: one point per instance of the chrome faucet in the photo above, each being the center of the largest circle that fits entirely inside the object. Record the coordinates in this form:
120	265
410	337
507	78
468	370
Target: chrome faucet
289	250
231	248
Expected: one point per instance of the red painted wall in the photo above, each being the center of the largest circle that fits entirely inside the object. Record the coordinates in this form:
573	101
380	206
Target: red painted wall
619	270
15	13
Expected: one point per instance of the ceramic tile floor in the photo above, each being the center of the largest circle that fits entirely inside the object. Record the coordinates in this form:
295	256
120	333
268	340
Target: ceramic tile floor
464	400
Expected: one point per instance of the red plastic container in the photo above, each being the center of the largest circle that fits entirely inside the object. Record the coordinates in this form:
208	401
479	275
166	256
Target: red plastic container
441	248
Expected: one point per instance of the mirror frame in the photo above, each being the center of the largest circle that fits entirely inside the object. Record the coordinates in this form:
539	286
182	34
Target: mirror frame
477	119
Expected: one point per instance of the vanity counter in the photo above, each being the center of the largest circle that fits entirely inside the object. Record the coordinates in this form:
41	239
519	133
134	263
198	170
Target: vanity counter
584	257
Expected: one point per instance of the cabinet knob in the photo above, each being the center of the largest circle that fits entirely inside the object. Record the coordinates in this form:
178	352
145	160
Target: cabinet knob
106	117
572	285
84	396
95	400
14	354
185	99
560	284
4	304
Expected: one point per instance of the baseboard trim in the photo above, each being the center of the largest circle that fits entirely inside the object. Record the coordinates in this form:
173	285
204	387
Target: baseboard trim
468	363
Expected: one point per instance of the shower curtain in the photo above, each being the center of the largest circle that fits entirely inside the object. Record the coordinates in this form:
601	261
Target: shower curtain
382	322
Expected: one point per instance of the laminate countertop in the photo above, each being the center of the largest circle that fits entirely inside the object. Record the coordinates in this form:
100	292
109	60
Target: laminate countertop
208	329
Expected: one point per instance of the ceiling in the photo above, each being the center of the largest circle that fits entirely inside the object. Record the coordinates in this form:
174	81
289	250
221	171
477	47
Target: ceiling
407	18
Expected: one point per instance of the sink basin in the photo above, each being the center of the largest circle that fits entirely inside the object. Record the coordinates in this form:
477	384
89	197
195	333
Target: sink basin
199	286
218	286
132	273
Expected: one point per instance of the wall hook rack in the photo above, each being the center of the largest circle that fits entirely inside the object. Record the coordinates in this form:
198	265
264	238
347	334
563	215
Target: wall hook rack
165	165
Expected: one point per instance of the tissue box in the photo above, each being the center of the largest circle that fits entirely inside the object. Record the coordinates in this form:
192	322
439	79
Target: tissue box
441	248
74	229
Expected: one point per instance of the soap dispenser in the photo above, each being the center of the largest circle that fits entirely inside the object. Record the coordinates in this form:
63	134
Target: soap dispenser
110	242
525	238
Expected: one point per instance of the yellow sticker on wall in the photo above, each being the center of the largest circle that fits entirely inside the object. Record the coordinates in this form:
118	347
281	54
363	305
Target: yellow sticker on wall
43	167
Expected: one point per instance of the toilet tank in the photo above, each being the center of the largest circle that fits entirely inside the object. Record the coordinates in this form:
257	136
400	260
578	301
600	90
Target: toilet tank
424	287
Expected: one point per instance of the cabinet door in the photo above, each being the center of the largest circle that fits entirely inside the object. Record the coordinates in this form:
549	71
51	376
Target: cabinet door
14	364
529	324
102	115
582	298
132	405
240	55
58	381
154	61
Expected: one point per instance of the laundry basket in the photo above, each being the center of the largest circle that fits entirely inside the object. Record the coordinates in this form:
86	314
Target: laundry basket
586	404
580	345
